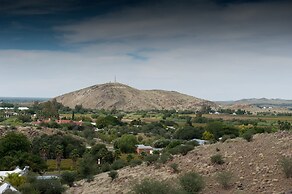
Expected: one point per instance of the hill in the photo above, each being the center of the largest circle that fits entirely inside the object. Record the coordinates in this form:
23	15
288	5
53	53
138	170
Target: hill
254	165
118	96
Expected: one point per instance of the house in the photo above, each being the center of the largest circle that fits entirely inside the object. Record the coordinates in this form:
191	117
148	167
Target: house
16	170
6	186
142	148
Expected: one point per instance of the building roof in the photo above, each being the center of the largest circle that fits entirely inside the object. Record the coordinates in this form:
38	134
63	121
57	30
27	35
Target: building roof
16	170
143	147
5	187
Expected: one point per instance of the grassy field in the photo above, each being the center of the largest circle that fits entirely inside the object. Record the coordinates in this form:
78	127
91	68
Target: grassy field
66	164
249	117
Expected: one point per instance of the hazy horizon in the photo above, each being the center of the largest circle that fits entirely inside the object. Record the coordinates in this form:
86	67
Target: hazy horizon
218	50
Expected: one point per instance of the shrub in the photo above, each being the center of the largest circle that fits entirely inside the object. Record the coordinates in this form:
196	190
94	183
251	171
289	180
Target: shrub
113	174
217	159
135	162
248	135
286	164
165	157
51	186
87	167
193	143
105	167
224	179
181	149
68	178
148	186
118	164
174	167
150	159
192	182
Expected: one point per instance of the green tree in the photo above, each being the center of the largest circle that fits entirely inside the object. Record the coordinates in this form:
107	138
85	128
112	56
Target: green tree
59	155
87	166
44	151
12	143
74	156
189	132
99	151
126	143
68	178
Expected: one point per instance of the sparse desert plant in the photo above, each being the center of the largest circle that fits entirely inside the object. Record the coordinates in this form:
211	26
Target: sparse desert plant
181	149
118	164
192	182
248	135
224	178
165	157
150	159
135	162
148	186
174	167
113	174
217	159
286	164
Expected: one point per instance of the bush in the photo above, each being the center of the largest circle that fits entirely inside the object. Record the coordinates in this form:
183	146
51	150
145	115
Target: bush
148	186
118	164
150	159
193	143
248	135
224	179
113	174
286	164
135	162
87	167
174	167
68	178
51	186
217	159
181	149
192	182
105	167
165	157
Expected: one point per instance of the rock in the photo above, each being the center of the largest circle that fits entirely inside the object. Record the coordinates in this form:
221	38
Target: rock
261	155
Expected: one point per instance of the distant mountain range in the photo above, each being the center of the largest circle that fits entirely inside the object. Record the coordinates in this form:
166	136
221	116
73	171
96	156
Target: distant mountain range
122	97
22	99
259	102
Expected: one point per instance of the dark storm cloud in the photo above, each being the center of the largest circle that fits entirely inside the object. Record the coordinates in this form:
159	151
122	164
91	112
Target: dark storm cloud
202	19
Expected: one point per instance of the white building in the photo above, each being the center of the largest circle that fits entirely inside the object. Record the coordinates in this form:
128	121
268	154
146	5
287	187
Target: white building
17	170
6	186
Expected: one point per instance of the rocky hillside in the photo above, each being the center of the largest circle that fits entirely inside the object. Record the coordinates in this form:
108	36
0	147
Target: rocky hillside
122	97
254	165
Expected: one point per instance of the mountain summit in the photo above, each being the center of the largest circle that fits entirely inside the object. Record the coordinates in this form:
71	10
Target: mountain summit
122	97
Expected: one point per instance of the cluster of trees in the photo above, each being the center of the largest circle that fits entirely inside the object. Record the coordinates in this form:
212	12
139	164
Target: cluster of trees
15	150
49	146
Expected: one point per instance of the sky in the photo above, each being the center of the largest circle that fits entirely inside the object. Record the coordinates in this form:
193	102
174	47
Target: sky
211	49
